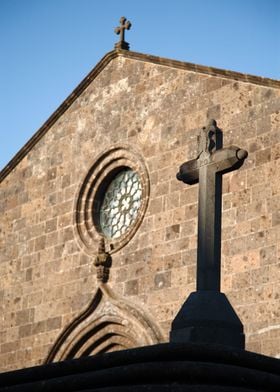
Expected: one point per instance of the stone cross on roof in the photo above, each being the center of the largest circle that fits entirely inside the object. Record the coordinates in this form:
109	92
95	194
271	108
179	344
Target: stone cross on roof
125	25
207	316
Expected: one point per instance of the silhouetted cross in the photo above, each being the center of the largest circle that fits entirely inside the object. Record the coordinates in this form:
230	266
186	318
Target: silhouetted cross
212	162
125	25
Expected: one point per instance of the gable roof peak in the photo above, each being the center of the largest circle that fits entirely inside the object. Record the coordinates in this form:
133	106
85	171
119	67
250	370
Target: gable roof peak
120	52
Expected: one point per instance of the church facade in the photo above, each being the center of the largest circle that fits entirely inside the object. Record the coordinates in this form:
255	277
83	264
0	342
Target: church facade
98	237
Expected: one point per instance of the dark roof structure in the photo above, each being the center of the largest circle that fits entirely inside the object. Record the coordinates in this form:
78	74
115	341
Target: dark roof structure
159	368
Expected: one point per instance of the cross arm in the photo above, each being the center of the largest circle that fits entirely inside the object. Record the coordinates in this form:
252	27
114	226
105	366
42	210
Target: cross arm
228	159
222	161
189	172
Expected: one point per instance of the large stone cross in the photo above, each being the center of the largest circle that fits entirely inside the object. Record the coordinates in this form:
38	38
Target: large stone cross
207	316
124	25
213	161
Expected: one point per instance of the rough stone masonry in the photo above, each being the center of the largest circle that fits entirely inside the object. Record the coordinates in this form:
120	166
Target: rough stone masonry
155	107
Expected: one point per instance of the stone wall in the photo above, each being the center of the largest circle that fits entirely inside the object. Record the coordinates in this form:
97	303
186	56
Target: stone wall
48	277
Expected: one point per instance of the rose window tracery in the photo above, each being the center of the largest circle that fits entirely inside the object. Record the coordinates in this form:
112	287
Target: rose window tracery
120	204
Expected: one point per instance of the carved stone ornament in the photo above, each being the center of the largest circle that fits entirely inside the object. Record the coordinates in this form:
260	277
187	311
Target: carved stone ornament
102	262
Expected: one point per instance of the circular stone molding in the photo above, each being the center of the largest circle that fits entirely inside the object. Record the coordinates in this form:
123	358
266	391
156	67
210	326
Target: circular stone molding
87	215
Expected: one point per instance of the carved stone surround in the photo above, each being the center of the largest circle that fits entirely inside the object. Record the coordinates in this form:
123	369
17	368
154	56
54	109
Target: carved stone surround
110	323
106	166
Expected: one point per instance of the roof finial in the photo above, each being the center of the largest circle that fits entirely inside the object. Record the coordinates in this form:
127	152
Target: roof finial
125	25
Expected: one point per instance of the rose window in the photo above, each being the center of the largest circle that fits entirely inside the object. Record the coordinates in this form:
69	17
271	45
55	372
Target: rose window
120	204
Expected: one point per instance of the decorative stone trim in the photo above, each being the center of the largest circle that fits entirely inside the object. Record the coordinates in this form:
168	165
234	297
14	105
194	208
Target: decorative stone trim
92	189
110	323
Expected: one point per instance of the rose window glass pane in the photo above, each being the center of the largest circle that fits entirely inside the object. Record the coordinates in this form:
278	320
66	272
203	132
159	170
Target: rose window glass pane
121	203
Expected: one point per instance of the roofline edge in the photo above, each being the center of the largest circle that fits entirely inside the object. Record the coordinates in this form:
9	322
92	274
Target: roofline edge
57	114
204	69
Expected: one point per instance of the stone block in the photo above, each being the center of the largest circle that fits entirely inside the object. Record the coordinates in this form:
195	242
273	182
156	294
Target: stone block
40	243
172	232
131	287
162	280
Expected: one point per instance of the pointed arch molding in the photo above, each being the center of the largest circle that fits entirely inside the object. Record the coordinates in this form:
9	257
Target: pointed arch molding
110	323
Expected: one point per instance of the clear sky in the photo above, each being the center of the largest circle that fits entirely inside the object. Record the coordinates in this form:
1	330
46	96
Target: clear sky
49	46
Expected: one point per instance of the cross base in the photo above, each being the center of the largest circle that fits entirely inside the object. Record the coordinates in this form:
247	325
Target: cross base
208	317
122	45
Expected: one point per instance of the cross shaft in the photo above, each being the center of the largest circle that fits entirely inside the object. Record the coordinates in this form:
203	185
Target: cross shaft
213	161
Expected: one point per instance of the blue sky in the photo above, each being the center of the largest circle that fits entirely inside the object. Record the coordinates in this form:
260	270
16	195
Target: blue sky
48	47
